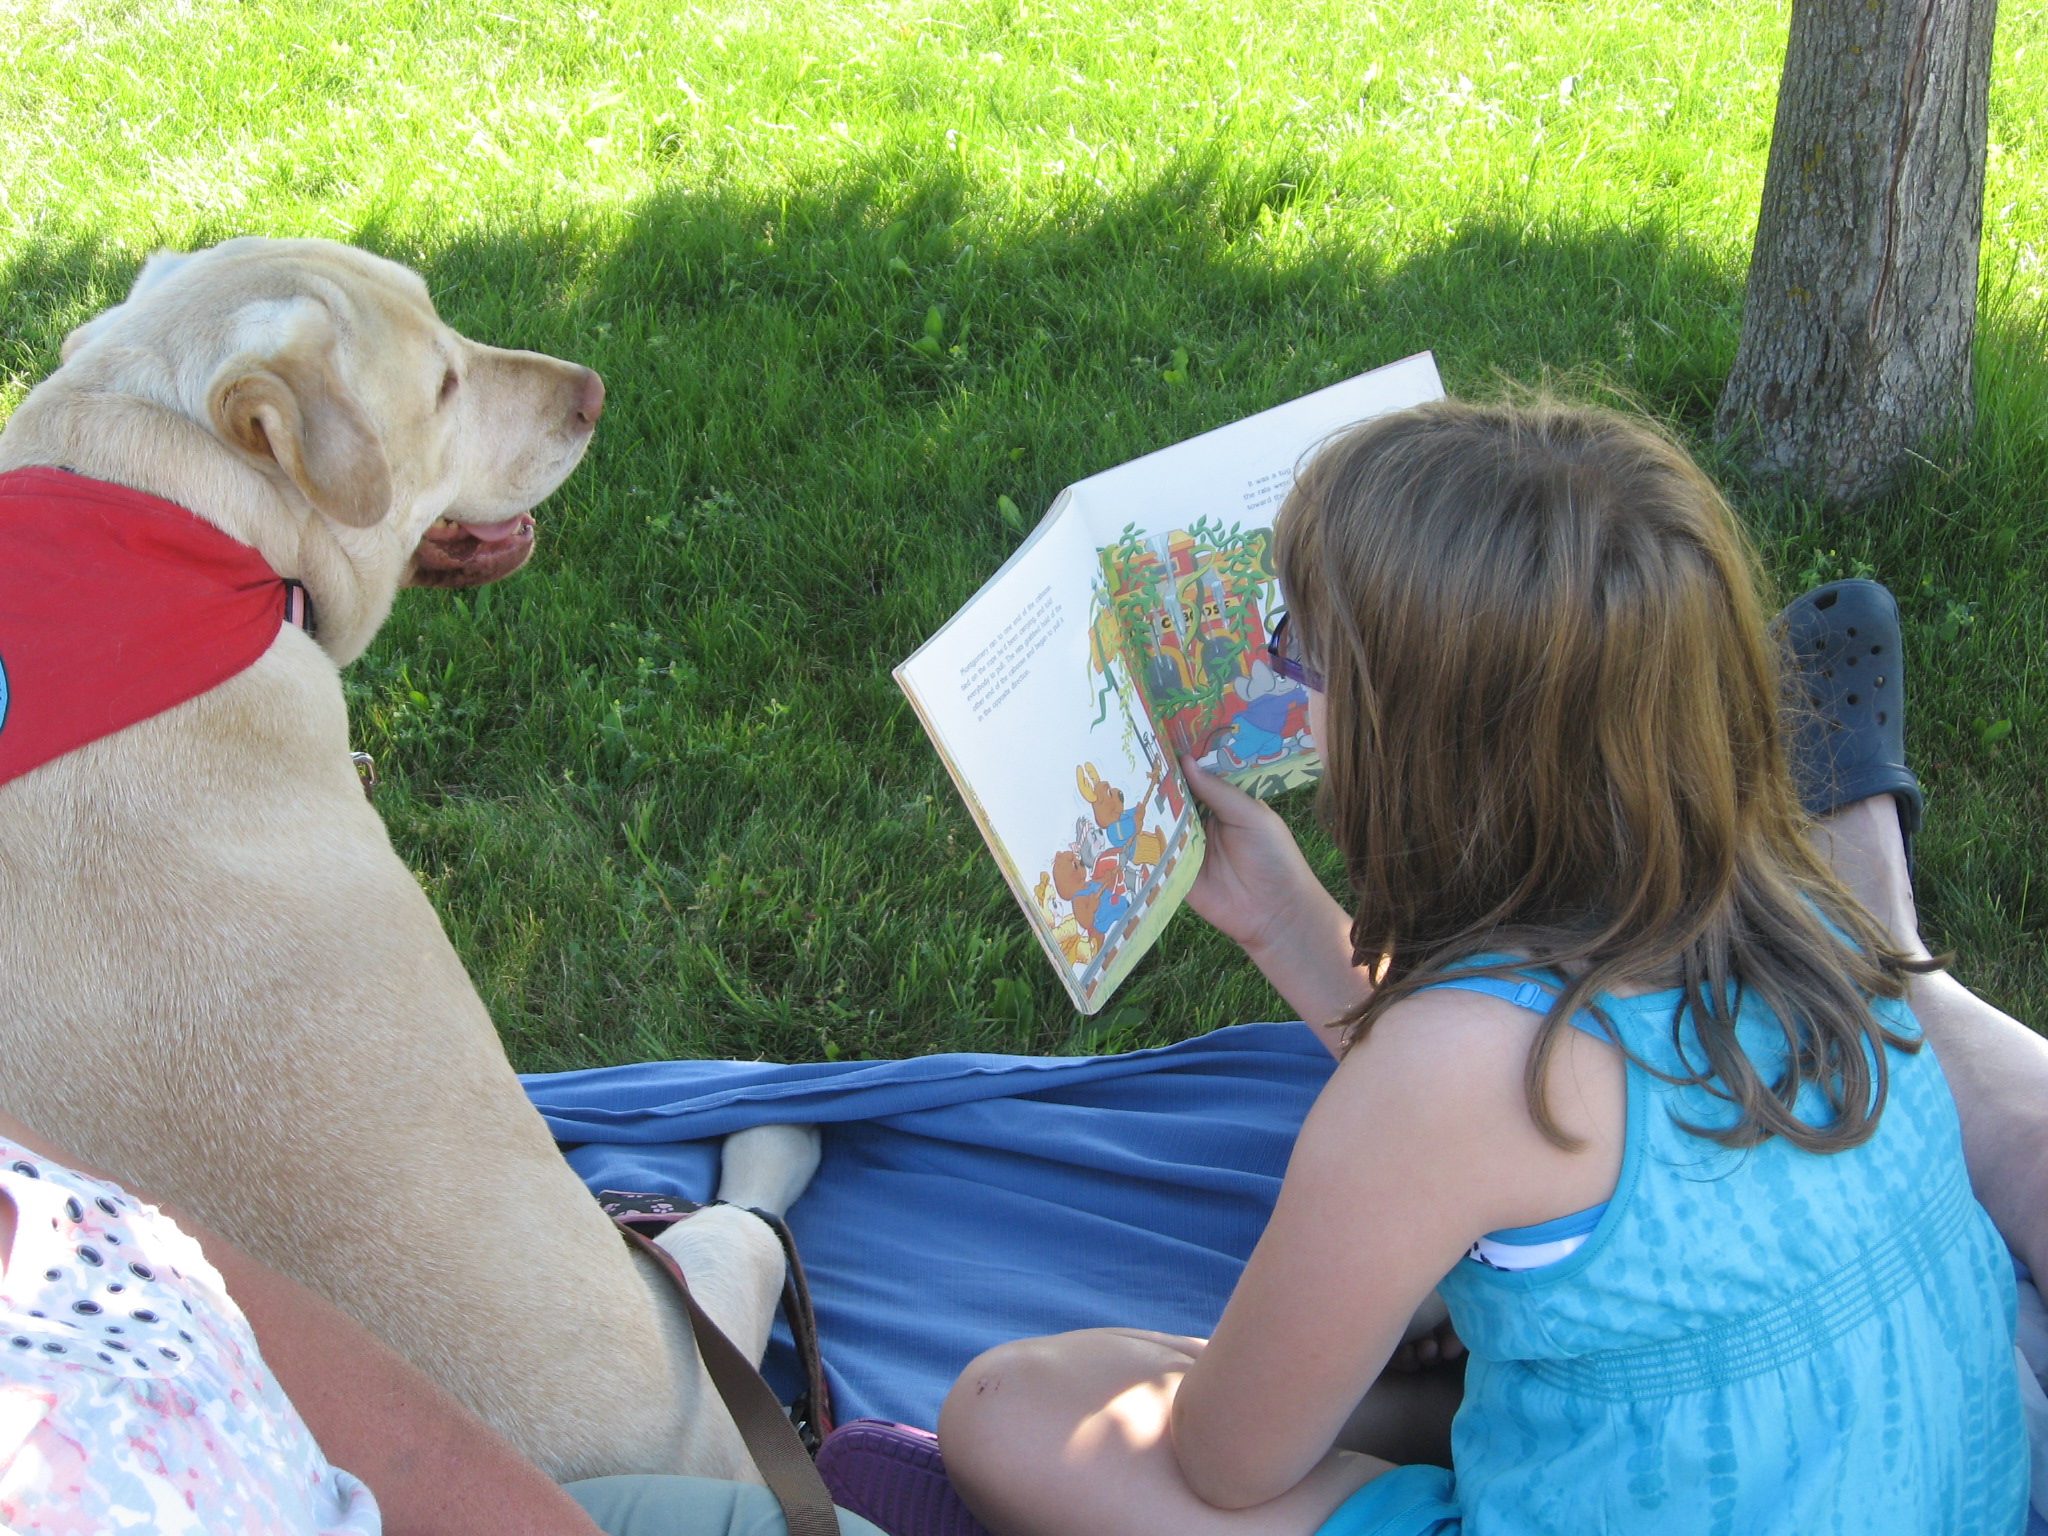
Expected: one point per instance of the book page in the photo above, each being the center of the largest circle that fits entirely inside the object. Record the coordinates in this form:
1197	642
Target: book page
1240	473
1185	544
1075	795
1190	608
1035	692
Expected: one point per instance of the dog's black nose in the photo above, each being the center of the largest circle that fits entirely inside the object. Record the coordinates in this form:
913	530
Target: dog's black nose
590	398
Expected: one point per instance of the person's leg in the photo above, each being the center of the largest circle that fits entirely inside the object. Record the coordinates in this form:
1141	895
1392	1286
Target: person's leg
1996	1066
1405	1417
1067	1436
689	1506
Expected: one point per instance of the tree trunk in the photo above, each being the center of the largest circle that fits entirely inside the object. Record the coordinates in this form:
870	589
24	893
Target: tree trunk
1862	300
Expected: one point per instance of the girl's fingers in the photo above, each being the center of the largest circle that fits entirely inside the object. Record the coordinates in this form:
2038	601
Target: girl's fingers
1221	796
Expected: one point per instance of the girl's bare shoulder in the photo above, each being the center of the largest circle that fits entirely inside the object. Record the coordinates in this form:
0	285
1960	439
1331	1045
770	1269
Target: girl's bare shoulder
1450	1062
1449	1023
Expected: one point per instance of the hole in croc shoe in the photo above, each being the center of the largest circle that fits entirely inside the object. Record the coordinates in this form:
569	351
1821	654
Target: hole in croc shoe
1875	649
1852	634
1852	661
1829	675
1880	717
1880	682
1852	698
1827	600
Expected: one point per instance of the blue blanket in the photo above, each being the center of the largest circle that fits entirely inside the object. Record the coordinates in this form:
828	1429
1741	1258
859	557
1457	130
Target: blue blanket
964	1200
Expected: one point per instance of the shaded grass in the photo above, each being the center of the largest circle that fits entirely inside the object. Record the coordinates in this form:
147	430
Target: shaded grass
660	785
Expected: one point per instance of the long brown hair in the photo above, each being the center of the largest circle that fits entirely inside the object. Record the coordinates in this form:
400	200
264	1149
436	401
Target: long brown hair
1554	731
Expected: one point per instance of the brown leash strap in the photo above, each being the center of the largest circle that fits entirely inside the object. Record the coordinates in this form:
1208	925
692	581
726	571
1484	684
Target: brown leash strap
651	1215
767	1433
813	1410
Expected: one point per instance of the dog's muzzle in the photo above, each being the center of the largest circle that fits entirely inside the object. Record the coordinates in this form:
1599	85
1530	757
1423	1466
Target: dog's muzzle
471	554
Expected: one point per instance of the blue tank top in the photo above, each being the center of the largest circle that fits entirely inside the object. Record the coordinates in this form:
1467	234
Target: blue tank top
1749	1342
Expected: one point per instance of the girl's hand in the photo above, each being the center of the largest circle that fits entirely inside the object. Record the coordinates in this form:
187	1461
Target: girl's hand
1254	881
1256	887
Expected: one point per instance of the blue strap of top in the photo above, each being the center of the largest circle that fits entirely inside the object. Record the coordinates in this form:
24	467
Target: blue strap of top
1532	995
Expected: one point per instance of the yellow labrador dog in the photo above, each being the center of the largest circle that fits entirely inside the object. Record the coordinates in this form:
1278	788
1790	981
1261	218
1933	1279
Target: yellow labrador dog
223	985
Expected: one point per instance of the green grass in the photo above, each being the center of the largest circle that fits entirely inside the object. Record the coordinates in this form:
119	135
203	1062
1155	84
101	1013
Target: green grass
660	784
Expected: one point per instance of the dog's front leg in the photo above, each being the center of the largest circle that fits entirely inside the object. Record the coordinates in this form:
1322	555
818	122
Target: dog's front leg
732	1259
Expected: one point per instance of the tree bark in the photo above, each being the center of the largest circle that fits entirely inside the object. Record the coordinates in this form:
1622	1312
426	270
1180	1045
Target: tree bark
1862	299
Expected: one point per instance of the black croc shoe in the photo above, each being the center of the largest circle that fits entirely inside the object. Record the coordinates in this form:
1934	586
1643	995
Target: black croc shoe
1847	736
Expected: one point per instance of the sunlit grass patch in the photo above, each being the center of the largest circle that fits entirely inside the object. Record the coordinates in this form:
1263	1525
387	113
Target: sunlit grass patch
660	784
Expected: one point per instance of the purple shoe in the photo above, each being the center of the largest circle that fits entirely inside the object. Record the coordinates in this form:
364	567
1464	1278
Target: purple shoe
893	1475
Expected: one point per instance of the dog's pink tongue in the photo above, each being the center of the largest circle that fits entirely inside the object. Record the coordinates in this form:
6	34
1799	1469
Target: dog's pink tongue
494	533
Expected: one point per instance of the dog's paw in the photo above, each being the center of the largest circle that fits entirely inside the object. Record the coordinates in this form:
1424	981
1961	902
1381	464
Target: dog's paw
766	1168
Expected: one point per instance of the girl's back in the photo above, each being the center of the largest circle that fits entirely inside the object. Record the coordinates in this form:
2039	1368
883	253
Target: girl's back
1750	1341
1551	718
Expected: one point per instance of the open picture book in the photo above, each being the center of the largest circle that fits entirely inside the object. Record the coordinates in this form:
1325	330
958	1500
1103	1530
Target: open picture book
1129	630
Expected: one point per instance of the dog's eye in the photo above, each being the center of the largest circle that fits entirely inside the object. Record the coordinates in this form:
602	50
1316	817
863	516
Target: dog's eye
449	384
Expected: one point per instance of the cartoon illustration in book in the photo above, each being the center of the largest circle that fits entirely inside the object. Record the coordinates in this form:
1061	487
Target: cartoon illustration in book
1076	943
1271	722
1123	832
1184	614
1166	669
1221	648
1099	878
1113	851
1098	904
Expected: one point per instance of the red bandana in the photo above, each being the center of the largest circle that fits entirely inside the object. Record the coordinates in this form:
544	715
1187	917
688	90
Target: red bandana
115	606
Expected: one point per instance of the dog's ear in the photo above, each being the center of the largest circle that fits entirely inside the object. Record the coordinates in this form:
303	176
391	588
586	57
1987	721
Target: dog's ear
294	408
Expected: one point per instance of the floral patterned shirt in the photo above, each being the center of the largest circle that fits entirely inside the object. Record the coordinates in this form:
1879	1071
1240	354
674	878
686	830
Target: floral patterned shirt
132	1395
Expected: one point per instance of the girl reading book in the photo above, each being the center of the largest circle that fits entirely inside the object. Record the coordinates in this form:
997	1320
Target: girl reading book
1627	1071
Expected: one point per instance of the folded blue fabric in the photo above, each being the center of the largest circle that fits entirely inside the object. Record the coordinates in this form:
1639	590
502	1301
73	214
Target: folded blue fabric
966	1199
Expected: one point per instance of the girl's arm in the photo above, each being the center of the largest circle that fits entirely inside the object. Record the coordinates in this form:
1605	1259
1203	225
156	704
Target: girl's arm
1256	887
1421	1142
435	1467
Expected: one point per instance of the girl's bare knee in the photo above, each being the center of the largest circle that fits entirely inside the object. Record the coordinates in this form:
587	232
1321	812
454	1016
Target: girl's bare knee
986	1422
995	1383
1038	1392
1018	1401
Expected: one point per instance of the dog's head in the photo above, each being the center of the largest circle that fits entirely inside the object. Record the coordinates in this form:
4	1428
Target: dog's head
398	451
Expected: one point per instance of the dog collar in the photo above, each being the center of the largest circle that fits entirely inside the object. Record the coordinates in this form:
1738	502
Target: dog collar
116	606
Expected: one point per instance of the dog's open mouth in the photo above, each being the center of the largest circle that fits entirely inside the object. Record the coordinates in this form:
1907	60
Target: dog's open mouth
469	554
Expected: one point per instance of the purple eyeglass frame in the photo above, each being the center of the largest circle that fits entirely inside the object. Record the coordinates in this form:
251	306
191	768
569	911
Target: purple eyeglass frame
1288	666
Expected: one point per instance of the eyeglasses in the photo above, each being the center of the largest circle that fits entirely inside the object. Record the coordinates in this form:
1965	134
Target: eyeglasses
1280	645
